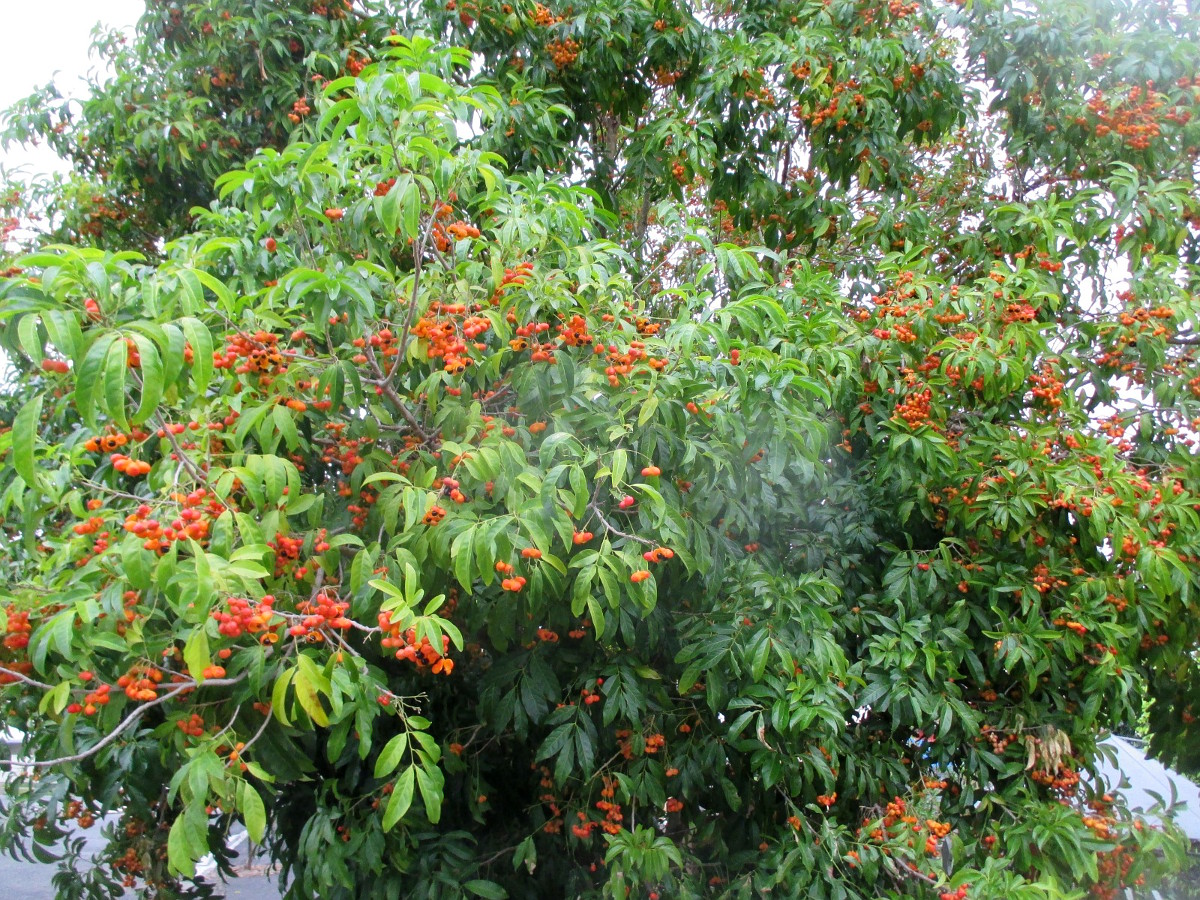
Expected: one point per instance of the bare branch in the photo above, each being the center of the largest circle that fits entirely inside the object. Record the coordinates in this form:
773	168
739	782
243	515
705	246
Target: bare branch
385	384
613	529
125	724
905	871
25	678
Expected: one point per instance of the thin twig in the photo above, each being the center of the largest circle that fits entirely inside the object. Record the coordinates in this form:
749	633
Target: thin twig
187	462
97	486
261	728
487	861
906	871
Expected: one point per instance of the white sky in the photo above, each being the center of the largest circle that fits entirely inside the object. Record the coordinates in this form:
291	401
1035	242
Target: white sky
48	40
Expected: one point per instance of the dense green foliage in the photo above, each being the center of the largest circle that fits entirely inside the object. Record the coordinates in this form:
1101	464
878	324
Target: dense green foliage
644	450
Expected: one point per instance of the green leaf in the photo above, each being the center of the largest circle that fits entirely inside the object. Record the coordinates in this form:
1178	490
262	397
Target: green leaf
200	339
279	696
648	410
64	332
526	853
319	676
56	700
259	772
410	212
286	426
759	656
390	756
556	741
620	462
196	654
201	589
30	338
310	700
56	632
254	813
462	555
231	181
488	889
384	476
179	858
596	611
88	378
401	799
218	287
152	379
25	430
428	742
171	344
116	367
430	783
388	207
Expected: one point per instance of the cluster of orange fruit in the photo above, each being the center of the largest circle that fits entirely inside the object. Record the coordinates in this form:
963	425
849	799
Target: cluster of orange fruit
418	651
105	443
300	109
258	352
98	696
915	409
563	53
1134	117
326	610
140	683
245	616
515	276
446	329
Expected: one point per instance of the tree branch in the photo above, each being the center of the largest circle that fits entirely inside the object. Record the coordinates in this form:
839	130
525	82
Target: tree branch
418	253
124	725
907	871
385	384
613	529
25	678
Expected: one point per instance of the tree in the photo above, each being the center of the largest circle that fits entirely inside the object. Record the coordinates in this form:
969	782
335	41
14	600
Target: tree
643	451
